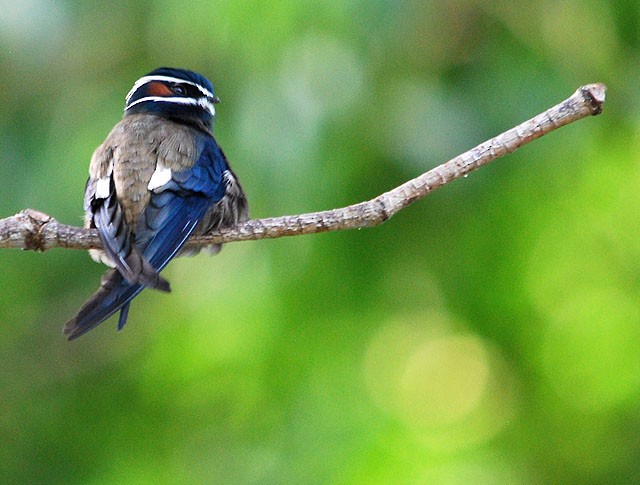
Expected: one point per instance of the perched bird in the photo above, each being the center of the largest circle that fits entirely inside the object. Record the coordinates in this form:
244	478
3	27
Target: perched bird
158	178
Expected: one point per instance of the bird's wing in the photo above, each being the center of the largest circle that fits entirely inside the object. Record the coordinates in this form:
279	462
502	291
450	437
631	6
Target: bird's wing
173	212
176	208
117	238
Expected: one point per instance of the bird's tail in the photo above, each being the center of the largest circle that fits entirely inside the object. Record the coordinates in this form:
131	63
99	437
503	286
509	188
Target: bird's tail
114	294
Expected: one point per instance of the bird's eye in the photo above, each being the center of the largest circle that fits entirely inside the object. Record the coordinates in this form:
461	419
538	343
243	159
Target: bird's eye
179	89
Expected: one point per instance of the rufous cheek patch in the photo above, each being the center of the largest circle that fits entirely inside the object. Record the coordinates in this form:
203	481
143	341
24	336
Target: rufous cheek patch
157	88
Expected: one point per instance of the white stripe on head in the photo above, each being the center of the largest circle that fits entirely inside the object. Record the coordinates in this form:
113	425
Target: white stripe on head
204	103
146	79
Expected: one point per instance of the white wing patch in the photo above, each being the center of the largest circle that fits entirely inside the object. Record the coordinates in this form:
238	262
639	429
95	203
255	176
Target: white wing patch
102	187
160	177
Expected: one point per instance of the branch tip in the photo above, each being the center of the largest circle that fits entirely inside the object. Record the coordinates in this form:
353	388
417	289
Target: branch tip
595	95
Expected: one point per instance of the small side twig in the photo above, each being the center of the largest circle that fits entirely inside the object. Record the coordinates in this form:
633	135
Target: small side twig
33	230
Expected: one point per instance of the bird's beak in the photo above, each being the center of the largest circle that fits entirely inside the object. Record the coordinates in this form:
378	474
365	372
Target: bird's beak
215	100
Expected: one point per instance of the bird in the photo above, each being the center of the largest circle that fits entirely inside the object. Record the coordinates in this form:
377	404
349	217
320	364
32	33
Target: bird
158	178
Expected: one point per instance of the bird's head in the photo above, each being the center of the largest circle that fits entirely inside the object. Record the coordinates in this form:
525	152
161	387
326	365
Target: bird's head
177	94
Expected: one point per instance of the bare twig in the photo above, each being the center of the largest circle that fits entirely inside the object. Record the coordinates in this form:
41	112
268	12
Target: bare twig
34	230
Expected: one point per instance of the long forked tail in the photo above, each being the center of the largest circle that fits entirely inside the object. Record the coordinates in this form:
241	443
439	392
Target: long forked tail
114	294
167	222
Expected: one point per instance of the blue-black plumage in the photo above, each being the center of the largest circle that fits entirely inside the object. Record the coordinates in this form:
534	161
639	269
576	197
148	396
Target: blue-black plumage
158	178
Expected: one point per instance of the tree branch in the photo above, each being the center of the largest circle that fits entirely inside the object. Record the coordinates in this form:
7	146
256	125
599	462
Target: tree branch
33	230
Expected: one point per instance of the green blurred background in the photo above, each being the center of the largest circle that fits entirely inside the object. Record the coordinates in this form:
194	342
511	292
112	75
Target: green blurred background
488	334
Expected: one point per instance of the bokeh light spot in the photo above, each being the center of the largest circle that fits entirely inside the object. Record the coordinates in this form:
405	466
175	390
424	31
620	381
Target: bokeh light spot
444	380
320	75
452	389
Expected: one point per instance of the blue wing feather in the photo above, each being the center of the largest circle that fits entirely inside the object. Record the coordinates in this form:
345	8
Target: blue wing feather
174	211
118	242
